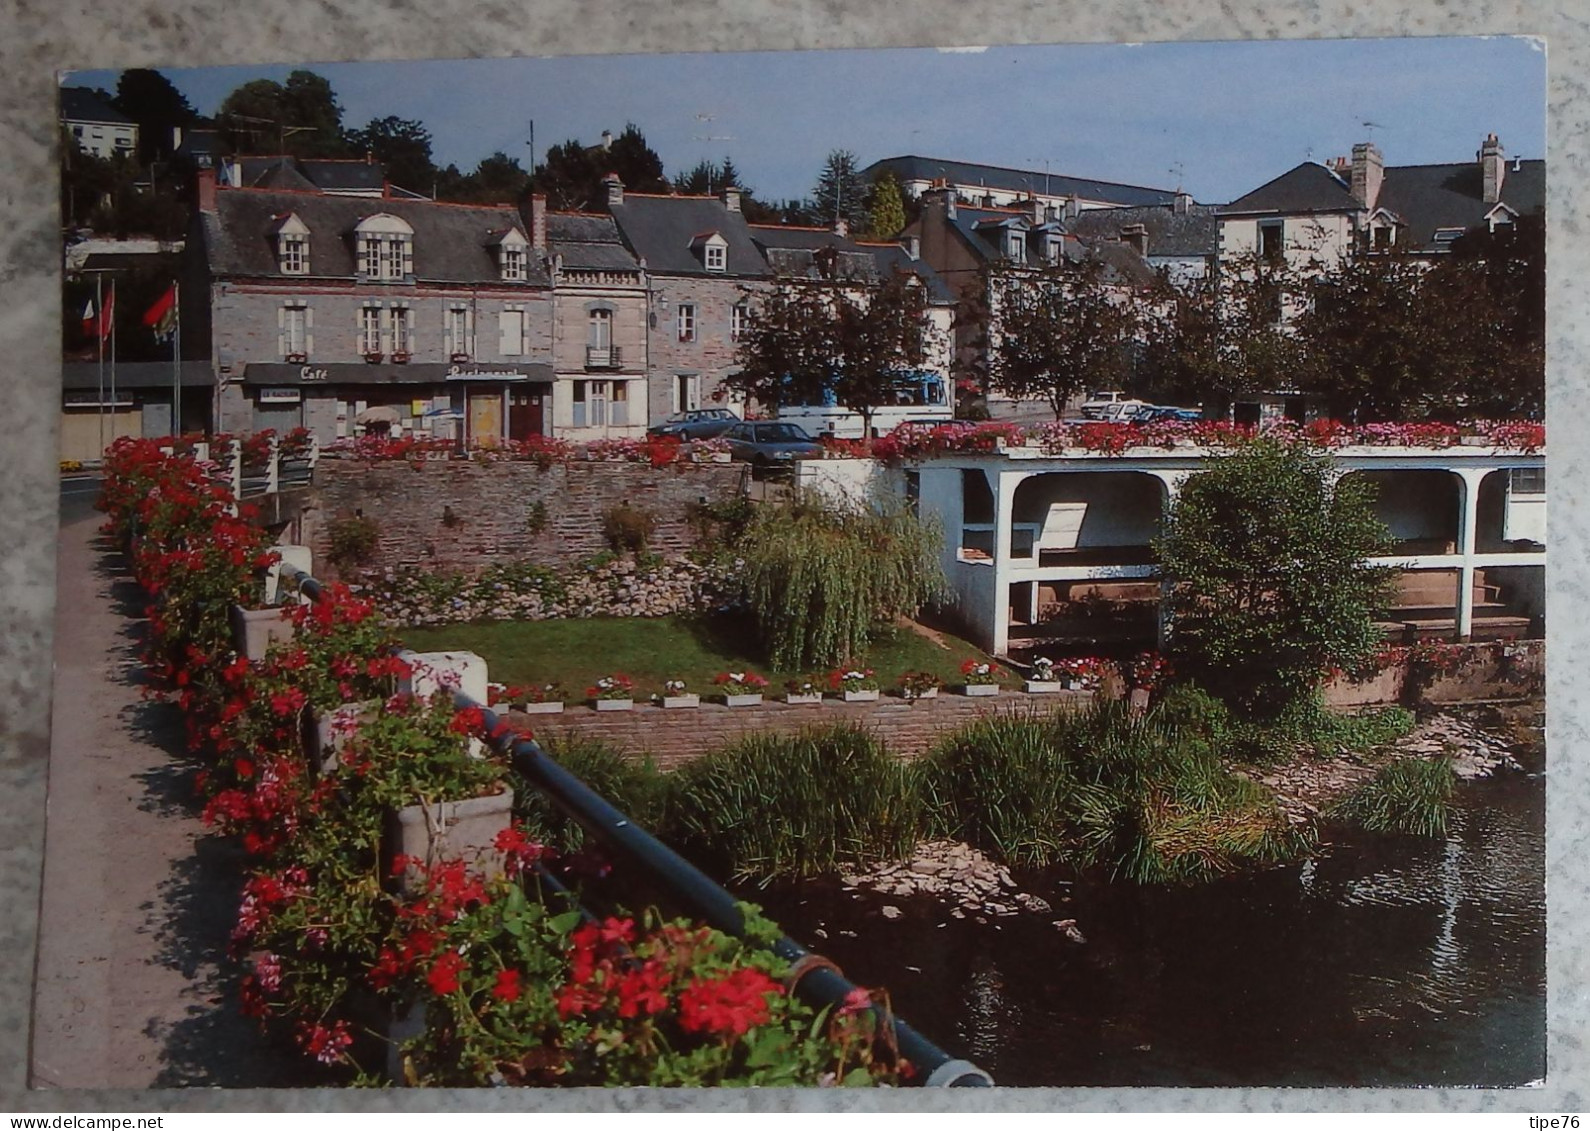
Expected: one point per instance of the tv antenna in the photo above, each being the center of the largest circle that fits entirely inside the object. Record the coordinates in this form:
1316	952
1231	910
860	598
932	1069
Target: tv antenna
1372	127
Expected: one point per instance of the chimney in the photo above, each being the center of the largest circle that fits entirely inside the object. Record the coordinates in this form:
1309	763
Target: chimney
207	190
369	157
1183	203
176	137
731	197
941	196
1135	236
1493	168
1050	214
538	222
1368	169
912	245
841	226
1037	208
607	139
1073	208
615	189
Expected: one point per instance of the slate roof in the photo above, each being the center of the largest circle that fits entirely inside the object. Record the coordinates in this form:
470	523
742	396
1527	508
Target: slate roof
311	173
80	104
914	168
200	145
1427	197
589	242
659	229
1195	232
450	240
1309	187
893	257
797	252
983	230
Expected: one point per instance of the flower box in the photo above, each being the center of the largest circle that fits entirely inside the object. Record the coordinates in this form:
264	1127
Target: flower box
1138	699
868	696
615	704
400	356
795	698
675	702
550	707
333	729
1074	685
373	358
977	690
450	830
1043	686
930	693
255	630
750	700
297	358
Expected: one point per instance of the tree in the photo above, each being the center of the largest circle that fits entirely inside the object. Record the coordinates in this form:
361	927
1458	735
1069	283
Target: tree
1495	285
148	98
1265	553
498	179
1051	333
699	181
570	177
402	146
635	162
806	340
841	192
301	117
820	580
886	217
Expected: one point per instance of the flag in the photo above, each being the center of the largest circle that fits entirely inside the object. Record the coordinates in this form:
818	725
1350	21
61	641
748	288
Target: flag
162	316
98	326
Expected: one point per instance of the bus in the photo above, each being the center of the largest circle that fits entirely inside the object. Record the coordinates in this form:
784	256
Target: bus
920	397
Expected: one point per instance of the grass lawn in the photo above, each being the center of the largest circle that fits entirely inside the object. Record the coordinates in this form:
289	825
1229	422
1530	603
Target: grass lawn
576	653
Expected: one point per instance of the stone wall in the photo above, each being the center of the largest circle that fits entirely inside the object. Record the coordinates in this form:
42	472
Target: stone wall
451	515
674	737
1512	670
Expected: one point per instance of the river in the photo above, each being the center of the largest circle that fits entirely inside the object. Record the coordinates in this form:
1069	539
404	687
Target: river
1385	960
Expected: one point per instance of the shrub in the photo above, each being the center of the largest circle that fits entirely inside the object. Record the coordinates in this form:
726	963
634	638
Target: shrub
536	520
1410	795
818	579
1271	587
353	541
634	786
628	529
793	806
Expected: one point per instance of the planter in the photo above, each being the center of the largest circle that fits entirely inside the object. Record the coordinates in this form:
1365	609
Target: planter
333	730
1042	686
720	457
255	630
1073	685
675	702
743	700
795	699
930	693
552	707
870	696
980	690
615	704
450	830
1138	699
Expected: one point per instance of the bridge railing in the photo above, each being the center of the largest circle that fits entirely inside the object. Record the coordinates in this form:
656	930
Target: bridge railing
813	978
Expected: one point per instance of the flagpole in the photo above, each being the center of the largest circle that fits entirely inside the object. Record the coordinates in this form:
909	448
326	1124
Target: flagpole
113	359
176	360
99	339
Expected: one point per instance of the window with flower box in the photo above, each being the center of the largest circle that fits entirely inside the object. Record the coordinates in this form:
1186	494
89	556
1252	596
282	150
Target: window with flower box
370	330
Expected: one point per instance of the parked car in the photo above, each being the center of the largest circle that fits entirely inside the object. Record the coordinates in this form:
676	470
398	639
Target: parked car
1167	412
770	444
1099	401
696	424
1119	412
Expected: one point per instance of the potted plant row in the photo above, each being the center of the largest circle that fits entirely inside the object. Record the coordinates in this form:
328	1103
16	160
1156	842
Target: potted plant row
541	699
798	691
919	685
677	694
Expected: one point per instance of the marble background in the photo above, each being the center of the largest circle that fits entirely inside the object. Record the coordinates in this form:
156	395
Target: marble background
42	37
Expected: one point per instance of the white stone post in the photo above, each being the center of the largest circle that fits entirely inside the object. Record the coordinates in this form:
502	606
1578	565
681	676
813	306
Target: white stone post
1004	486
1468	520
273	467
430	672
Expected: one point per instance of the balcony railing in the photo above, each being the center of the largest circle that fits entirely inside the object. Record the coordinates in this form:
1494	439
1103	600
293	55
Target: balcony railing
604	357
279	471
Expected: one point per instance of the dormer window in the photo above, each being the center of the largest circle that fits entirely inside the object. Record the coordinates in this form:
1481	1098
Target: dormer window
1016	246
713	250
386	248
512	255
292	246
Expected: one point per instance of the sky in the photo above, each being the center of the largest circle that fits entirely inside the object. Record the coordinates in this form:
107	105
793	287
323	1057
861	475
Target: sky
1218	119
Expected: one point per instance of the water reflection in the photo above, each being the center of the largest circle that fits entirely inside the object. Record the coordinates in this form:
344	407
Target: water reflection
1385	961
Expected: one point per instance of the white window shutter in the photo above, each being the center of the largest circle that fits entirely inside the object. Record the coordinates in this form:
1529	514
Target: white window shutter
281	330
309	328
507	333
408	258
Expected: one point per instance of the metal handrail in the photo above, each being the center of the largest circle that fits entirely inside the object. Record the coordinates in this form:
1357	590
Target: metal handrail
818	982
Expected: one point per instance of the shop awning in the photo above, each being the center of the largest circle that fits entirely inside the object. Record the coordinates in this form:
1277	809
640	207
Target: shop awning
390	373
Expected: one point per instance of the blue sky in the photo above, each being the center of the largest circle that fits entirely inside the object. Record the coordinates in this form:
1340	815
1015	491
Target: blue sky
1219	118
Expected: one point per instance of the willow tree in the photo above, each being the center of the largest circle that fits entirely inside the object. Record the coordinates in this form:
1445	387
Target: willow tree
821	579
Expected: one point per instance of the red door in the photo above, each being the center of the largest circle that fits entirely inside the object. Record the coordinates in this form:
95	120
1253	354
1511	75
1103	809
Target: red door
524	414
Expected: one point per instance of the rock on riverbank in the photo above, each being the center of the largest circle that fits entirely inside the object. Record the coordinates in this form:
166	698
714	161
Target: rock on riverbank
953	873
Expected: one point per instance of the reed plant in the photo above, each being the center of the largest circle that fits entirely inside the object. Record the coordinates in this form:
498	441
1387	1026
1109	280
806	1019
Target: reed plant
781	806
1409	795
634	786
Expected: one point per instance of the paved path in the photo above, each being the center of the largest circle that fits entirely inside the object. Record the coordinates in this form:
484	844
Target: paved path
132	990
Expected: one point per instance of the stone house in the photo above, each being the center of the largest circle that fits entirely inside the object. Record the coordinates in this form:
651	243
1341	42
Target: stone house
703	268
346	312
97	127
994	186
